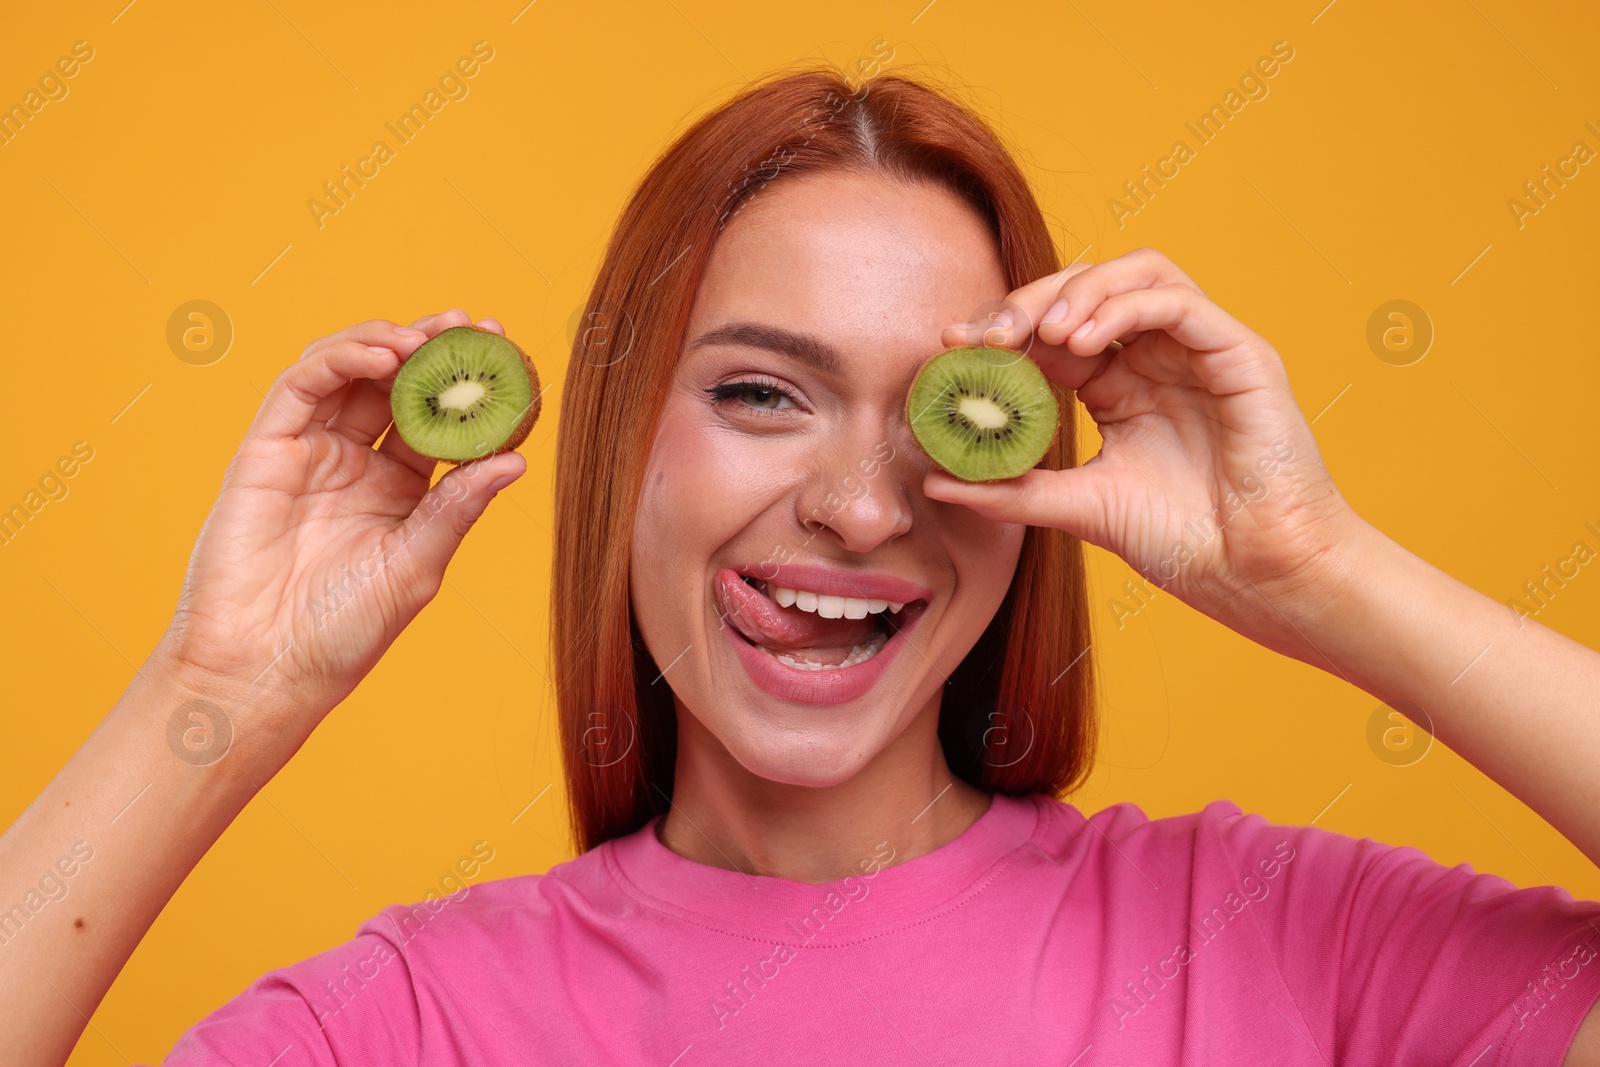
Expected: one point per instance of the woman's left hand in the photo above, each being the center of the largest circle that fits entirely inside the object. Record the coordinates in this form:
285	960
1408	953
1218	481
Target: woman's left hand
1209	481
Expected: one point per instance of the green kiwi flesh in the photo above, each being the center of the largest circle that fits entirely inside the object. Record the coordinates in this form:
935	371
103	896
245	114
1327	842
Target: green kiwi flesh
983	413
465	393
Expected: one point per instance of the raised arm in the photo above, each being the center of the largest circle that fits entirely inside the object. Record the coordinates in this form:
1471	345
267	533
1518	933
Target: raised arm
1516	699
318	552
1209	482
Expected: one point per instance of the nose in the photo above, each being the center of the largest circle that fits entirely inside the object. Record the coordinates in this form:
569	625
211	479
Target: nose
859	496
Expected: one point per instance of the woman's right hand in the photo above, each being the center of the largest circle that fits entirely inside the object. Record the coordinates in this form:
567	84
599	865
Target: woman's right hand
317	553
320	548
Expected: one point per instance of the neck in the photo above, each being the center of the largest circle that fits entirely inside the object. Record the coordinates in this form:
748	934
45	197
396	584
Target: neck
905	803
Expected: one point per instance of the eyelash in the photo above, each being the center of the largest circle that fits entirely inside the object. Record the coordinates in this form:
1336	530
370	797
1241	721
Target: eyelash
732	390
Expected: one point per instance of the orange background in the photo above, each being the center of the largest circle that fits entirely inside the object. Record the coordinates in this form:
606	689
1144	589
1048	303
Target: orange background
178	166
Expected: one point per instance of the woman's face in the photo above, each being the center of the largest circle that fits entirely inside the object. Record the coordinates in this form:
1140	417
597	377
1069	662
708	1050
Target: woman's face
784	477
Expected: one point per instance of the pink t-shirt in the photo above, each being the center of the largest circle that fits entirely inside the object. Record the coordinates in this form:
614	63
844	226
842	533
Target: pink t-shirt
1037	936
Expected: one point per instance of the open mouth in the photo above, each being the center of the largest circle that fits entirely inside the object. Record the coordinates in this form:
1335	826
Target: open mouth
809	631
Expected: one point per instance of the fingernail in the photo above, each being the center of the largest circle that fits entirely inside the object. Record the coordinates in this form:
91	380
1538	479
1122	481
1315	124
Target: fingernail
1084	329
407	330
1001	318
503	481
380	351
1057	312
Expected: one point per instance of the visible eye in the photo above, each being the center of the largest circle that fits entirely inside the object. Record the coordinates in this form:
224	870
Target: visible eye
760	396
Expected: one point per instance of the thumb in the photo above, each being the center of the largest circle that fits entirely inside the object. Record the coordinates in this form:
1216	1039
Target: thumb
434	529
1072	500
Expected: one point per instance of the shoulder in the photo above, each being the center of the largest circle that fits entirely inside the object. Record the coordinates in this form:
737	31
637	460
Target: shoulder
498	916
1063	825
1222	849
1220	844
499	923
1219	823
368	999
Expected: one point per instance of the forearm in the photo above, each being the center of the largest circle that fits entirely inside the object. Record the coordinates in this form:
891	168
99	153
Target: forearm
128	817
1514	698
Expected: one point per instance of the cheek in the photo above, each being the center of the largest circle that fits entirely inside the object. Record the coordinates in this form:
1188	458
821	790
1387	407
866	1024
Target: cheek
702	487
986	559
981	546
690	491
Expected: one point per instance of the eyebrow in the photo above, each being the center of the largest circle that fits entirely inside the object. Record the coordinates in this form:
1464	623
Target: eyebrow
801	347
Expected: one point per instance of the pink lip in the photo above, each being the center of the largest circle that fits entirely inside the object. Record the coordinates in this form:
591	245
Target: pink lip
834	581
845	683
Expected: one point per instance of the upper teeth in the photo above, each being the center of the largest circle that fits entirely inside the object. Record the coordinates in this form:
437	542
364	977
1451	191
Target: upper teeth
832	607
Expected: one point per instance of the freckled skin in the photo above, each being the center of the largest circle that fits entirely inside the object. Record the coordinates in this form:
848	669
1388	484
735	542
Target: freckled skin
875	268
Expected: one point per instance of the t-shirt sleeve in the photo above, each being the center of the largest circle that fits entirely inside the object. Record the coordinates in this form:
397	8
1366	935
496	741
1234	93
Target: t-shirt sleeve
1393	958
351	1006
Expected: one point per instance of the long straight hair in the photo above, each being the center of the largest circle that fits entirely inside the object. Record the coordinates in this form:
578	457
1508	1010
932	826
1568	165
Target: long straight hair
1017	715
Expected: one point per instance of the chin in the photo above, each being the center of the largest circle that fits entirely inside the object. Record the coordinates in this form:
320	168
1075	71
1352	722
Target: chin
813	758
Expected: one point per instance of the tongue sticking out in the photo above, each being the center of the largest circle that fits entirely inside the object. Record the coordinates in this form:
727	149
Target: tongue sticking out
759	618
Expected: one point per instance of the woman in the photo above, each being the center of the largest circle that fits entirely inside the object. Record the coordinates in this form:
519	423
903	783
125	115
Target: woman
789	860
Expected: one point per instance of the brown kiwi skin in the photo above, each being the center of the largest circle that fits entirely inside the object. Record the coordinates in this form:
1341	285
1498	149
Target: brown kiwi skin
520	434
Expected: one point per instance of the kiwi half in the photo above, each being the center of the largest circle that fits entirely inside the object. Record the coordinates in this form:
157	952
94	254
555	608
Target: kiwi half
465	393
983	413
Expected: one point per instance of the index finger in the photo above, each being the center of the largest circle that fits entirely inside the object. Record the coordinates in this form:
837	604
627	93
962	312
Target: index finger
292	403
1026	305
403	339
380	332
444	320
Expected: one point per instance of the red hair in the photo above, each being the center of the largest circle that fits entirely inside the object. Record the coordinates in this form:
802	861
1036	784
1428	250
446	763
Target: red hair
1017	715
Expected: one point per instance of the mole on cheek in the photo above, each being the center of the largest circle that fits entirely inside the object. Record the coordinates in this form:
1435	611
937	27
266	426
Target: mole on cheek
78	923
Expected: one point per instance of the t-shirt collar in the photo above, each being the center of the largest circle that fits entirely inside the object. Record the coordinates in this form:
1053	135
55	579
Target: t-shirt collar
886	894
